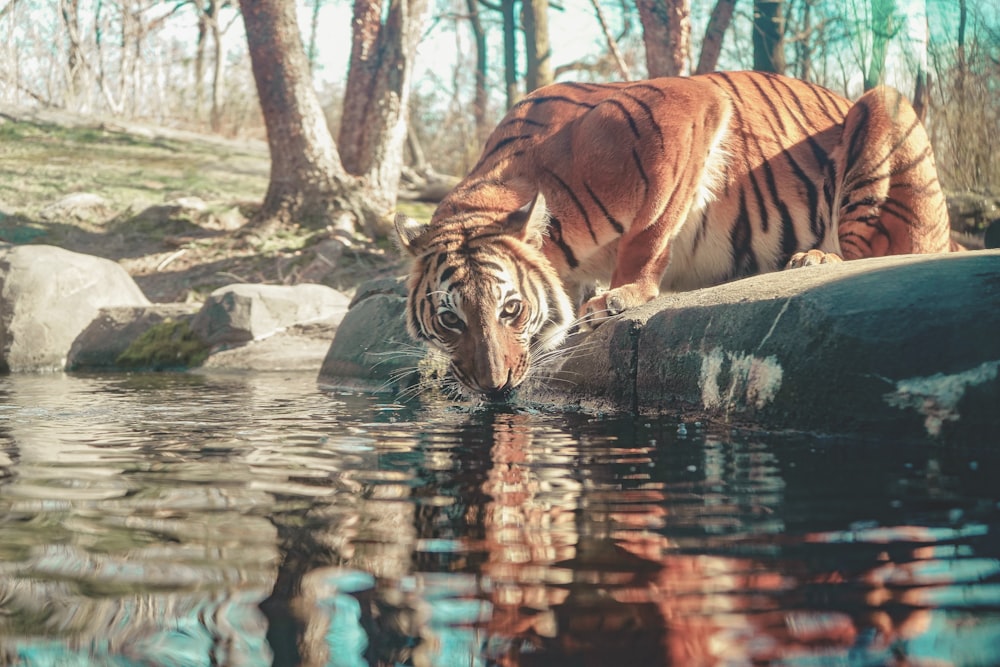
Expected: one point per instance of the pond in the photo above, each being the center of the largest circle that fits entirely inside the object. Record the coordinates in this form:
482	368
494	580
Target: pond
194	519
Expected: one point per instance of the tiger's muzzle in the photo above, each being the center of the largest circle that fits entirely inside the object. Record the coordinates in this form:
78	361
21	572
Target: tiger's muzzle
490	362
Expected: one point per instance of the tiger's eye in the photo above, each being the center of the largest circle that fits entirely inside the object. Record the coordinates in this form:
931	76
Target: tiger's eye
511	309
450	319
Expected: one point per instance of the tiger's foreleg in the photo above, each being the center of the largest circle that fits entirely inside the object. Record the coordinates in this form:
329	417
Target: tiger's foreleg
642	259
645	247
672	190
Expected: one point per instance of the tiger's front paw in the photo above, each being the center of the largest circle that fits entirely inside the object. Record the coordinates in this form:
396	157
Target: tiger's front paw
611	303
812	258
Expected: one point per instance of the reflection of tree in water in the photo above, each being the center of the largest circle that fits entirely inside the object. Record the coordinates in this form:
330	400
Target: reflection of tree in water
359	528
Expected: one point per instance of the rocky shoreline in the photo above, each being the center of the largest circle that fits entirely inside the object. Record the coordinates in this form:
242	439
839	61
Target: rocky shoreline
906	346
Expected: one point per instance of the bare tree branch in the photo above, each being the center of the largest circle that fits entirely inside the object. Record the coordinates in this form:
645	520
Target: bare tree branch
611	42
8	8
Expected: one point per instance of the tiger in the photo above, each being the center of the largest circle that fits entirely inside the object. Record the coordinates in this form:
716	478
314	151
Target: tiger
654	186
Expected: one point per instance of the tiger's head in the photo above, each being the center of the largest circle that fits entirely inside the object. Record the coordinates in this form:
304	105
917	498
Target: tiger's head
482	292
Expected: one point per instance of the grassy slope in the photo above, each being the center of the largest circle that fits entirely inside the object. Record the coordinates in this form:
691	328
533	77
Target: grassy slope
174	254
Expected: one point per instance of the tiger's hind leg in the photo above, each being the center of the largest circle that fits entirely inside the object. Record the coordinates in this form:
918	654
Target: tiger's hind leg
890	200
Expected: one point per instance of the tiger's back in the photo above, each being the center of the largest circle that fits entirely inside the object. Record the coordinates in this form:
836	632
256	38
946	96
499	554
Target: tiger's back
681	183
766	173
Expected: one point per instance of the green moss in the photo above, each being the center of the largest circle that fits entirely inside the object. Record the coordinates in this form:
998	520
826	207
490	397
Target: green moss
168	345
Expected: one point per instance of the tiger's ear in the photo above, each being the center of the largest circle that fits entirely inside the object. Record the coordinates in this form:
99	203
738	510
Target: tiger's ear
408	233
529	222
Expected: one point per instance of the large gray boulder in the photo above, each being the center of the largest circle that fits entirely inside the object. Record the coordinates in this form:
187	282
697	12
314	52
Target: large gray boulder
48	296
900	345
372	350
240	313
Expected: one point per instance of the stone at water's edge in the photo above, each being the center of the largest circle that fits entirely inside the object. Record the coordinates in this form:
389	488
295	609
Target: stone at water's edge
901	345
240	313
299	347
102	343
372	350
48	296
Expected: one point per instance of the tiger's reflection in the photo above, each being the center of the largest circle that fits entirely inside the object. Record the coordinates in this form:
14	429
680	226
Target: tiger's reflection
537	547
585	577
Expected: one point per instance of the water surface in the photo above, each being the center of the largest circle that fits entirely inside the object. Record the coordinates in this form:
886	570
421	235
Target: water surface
258	519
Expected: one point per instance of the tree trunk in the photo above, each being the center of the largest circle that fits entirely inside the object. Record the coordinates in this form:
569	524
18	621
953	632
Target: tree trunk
711	46
768	36
803	46
883	28
538	51
376	100
666	33
963	14
920	92
199	65
311	51
217	74
510	50
481	96
70	10
308	184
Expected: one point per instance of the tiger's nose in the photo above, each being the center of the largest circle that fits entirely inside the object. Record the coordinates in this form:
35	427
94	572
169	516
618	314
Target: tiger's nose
501	394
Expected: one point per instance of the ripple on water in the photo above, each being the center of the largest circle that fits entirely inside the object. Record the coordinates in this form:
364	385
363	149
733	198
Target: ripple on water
177	519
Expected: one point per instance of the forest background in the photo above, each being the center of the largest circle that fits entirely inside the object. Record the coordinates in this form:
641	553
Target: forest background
360	99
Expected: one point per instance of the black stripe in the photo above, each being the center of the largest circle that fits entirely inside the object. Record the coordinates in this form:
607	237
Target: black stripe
649	112
769	101
500	145
576	201
734	90
447	273
819	153
900	210
520	275
628	116
555	233
812	199
488	264
580	85
741	240
611	220
826	98
638	165
915	162
647	86
520	119
858	139
545	99
851	206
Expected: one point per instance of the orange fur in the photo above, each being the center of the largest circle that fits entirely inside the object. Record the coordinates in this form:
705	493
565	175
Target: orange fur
669	184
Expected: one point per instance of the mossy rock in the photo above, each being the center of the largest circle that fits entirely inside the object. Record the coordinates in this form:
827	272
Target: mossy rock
165	346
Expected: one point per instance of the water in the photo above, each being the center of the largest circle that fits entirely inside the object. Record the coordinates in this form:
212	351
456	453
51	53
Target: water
257	520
